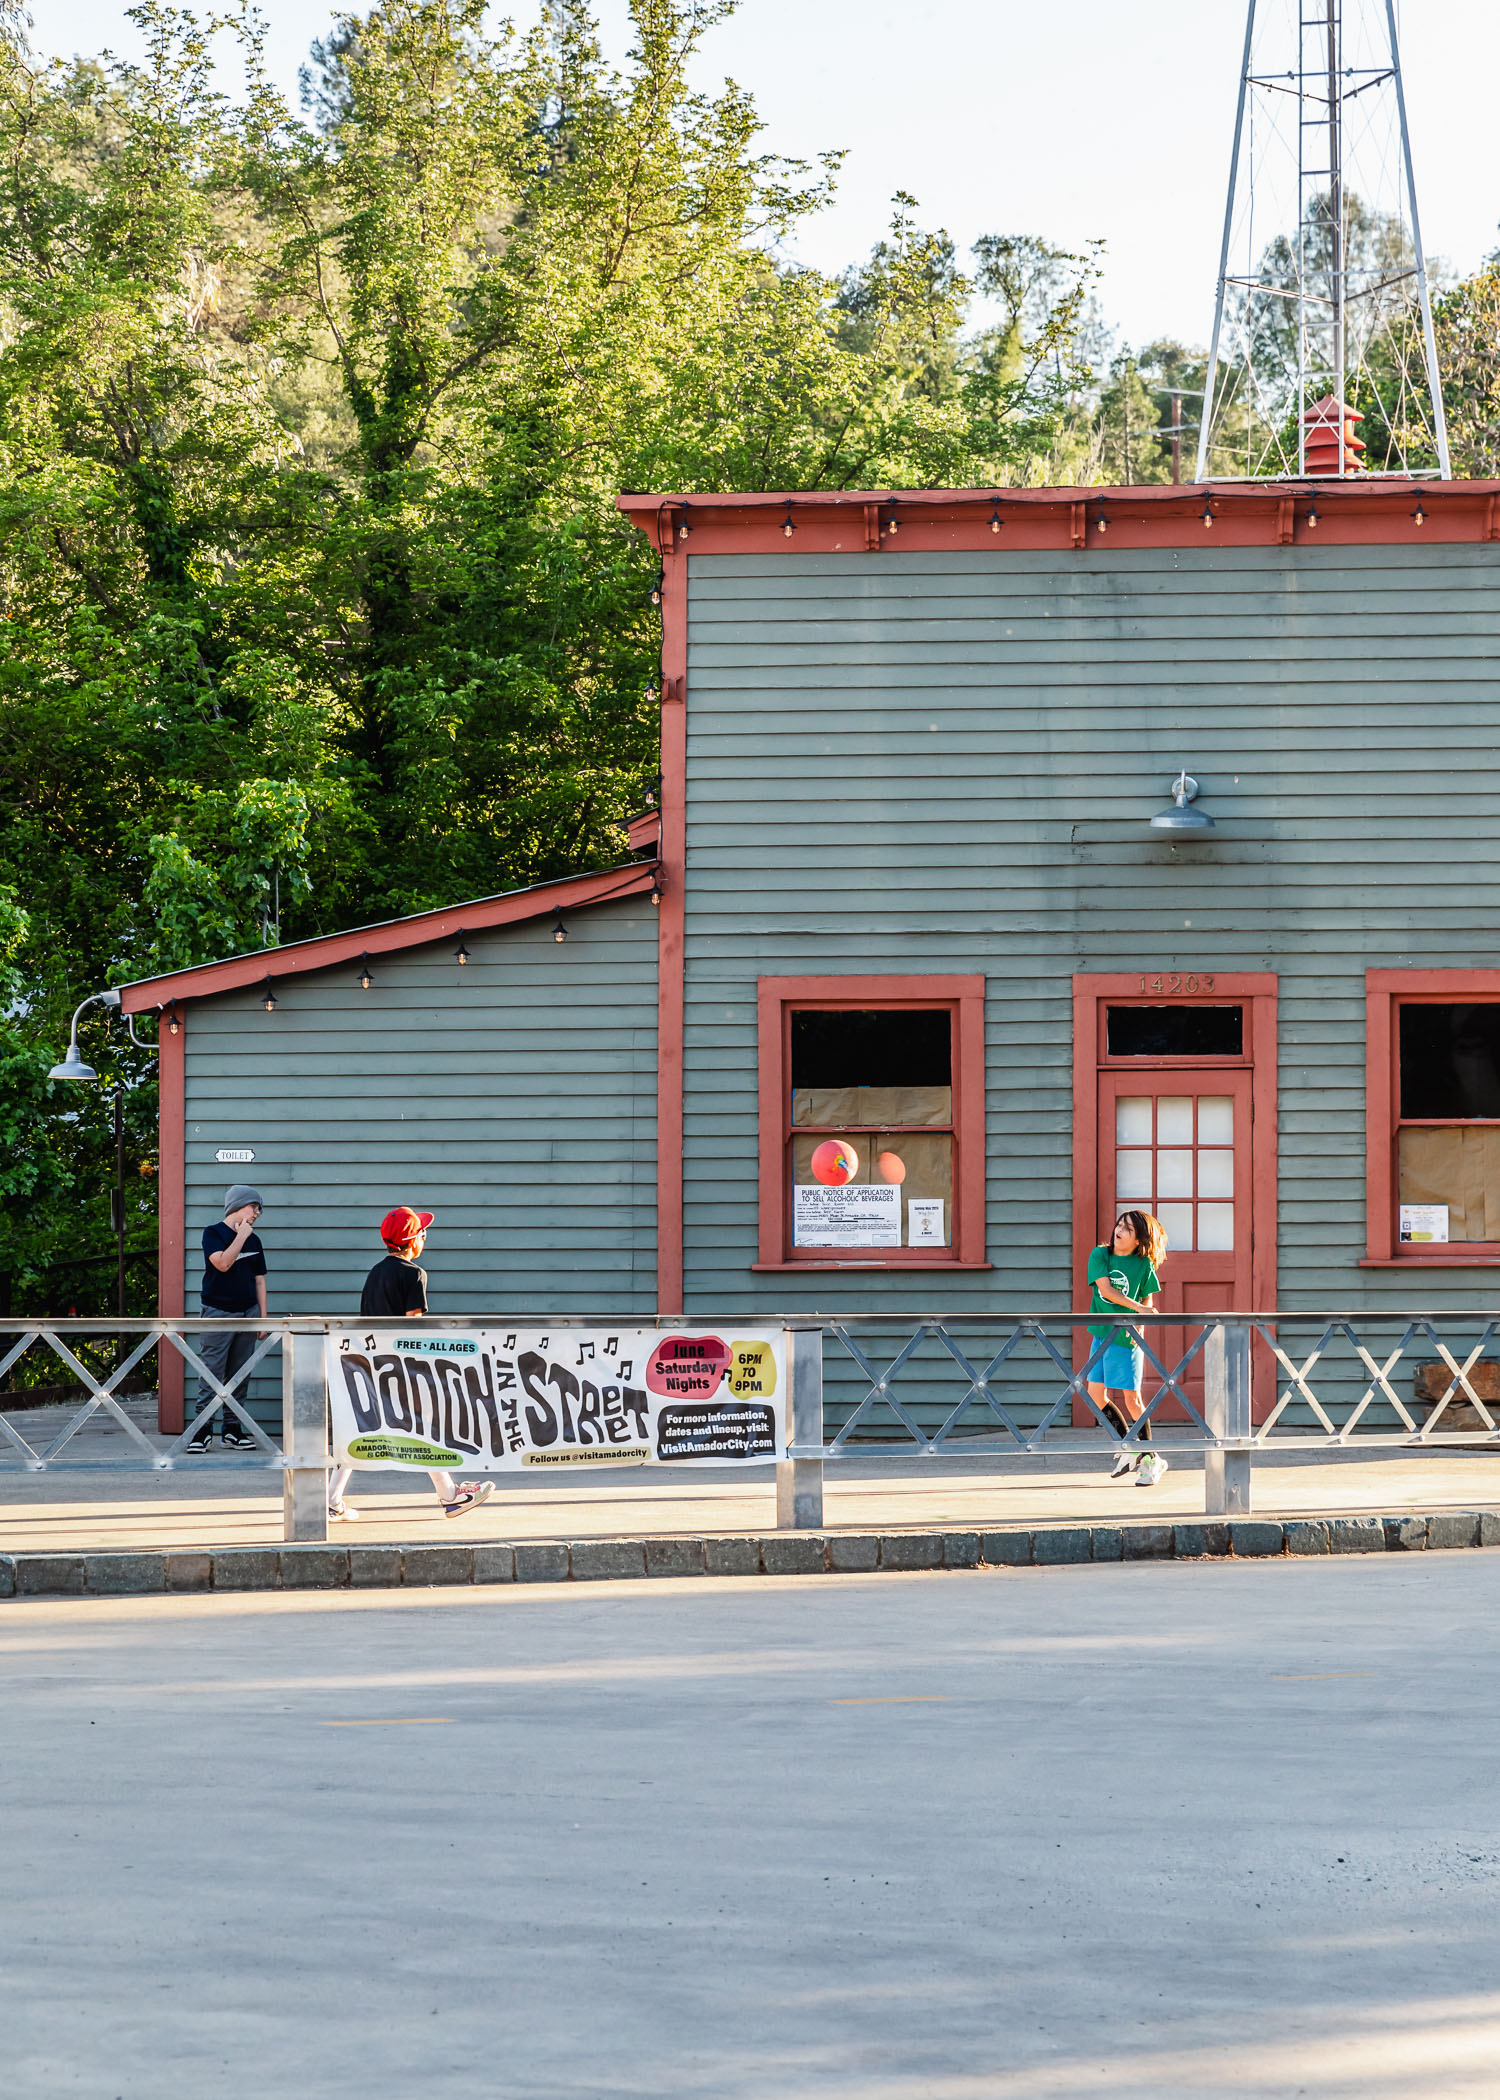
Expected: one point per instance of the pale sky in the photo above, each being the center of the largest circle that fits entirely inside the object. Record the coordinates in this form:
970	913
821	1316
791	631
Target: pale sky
1099	117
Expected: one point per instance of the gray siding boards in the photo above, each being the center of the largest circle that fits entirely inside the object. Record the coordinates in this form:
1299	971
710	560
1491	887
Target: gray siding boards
944	762
515	1097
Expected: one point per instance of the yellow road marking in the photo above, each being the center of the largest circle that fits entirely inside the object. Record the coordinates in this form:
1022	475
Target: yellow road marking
1313	1676
916	1699
407	1721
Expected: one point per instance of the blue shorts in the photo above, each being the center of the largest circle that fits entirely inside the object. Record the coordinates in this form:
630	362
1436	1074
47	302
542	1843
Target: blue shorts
1121	1368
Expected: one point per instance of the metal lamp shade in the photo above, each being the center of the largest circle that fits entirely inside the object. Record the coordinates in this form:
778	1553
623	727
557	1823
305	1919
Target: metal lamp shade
73	1066
1182	816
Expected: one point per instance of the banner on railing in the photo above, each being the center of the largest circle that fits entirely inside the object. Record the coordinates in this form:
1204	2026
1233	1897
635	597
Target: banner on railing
490	1399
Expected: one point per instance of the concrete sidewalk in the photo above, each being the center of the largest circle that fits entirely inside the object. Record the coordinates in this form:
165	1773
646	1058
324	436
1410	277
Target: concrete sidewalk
219	1501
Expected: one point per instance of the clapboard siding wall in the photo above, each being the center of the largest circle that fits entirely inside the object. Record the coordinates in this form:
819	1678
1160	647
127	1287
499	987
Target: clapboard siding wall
515	1097
945	762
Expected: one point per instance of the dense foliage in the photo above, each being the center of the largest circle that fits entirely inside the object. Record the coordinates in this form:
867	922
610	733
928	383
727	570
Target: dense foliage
317	607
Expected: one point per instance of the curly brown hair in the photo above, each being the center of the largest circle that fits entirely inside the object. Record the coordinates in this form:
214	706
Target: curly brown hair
1150	1234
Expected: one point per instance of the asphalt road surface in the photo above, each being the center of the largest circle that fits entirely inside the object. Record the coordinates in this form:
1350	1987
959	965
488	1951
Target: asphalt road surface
1145	1830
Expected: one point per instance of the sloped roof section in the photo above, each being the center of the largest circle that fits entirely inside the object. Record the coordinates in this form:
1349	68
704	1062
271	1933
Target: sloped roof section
480	915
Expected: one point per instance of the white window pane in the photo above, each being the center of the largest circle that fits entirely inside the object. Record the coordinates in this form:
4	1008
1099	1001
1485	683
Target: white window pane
1178	1219
1132	1177
1215	1173
1216	1228
1133	1120
1174	1173
1174	1119
1216	1119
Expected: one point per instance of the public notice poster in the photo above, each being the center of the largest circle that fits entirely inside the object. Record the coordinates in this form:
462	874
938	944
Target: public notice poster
1424	1221
492	1400
859	1214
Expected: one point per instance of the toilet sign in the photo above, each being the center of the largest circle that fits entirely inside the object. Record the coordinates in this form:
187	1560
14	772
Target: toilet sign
234	1156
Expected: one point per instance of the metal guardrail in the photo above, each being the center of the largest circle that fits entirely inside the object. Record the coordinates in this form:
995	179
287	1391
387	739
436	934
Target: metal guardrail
1024	1386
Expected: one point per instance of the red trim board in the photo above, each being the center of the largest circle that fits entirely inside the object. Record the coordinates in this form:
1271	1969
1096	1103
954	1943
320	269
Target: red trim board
171	1219
392	935
1355	512
670	930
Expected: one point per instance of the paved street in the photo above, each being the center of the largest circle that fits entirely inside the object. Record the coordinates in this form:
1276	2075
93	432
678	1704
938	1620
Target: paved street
1145	1830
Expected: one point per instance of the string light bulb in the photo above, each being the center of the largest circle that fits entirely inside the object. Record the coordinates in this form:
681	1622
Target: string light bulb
788	528
365	979
1208	516
656	884
995	515
1419	515
659	586
174	1025
891	526
1101	523
1312	516
461	952
559	931
267	1000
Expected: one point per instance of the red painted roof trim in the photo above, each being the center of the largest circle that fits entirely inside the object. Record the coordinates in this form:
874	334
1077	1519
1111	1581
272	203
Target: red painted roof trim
480	915
1352	512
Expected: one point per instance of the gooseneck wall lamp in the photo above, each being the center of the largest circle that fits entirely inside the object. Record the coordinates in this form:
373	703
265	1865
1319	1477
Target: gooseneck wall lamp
1182	817
73	1066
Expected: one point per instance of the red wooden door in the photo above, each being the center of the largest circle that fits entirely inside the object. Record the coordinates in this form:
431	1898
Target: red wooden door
1177	1143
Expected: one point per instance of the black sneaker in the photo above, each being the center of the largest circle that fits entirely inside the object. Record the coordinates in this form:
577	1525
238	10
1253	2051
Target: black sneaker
238	1439
199	1440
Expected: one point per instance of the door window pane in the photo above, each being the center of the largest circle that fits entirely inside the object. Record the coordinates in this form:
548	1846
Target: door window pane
1174	1173
1215	1119
1216	1228
1215	1173
1132	1177
1174	1119
1178	1220
1175	1031
1133	1120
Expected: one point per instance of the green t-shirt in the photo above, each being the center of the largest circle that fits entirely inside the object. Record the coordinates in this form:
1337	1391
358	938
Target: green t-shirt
1130	1273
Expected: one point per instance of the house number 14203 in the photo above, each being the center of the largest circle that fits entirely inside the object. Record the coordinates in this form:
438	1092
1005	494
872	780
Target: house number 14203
1177	984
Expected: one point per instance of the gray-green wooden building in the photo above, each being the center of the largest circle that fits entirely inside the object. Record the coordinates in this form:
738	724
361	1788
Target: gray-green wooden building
903	993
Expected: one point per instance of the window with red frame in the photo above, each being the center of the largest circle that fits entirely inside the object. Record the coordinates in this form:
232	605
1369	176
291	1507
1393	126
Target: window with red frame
872	1115
1447	1101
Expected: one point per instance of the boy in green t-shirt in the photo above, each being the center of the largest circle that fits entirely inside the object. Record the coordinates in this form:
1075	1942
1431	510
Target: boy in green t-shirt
1124	1274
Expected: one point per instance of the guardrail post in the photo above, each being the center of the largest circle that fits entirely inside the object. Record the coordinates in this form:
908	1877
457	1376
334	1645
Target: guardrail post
304	1438
799	1481
1226	1391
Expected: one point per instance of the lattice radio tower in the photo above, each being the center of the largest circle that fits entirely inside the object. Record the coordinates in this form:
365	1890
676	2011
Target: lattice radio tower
1322	323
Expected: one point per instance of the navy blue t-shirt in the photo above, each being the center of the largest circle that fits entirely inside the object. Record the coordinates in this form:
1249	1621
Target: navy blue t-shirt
234	1290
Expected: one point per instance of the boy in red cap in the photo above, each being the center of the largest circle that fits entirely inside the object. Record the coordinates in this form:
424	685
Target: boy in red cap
396	1289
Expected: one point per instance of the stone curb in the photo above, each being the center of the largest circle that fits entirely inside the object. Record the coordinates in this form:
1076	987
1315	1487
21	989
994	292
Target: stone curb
241	1568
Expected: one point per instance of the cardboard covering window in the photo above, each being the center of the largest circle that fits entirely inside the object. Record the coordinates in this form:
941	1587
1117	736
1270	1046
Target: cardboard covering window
1458	1166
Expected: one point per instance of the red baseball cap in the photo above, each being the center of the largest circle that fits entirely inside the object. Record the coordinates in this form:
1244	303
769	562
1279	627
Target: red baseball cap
403	1224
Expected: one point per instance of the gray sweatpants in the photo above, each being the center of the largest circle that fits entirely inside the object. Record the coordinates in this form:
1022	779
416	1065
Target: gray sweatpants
225	1352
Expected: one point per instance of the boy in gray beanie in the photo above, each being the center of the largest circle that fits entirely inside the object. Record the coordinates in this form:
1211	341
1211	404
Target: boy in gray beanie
234	1283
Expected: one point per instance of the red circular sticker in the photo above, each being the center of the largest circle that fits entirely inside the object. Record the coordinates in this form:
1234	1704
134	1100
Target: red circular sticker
892	1167
835	1162
687	1366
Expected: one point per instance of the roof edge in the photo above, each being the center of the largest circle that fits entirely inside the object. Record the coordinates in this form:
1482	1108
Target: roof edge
389	936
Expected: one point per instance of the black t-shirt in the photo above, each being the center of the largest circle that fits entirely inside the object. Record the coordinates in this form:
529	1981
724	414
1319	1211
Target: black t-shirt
394	1288
232	1290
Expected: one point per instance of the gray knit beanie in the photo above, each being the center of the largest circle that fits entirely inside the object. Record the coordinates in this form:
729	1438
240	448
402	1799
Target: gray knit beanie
239	1195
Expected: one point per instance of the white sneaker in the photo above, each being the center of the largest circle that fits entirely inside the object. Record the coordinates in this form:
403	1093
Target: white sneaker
1153	1465
469	1496
1126	1461
341	1513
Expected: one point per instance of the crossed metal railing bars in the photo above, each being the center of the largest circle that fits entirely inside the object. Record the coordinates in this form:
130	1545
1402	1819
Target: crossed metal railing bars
1228	1352
1074	1393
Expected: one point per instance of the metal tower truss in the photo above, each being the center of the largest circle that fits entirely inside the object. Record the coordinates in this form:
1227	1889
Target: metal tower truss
1323	320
